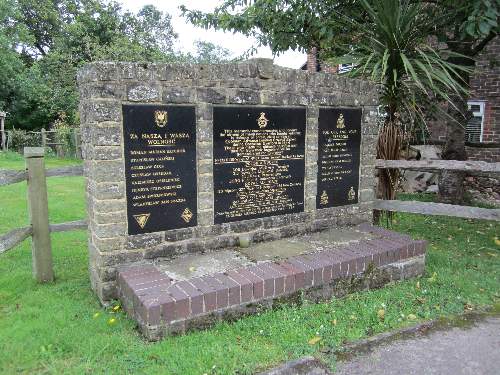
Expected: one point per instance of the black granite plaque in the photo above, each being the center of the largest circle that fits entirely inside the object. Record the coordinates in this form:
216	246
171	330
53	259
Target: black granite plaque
160	167
258	162
339	138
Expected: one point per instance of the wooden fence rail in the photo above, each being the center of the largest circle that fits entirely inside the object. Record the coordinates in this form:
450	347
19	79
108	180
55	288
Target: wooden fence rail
442	209
8	177
14	238
431	208
440	165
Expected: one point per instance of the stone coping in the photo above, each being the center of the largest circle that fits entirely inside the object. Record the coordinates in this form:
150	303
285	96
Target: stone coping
162	305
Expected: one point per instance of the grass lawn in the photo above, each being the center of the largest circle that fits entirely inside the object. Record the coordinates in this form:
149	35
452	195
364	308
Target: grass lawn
61	328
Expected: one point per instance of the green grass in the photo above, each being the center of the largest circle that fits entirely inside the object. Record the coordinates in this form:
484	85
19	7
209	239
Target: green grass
14	160
53	328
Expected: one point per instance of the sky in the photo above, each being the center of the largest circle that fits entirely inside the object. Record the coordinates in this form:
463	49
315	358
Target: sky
237	44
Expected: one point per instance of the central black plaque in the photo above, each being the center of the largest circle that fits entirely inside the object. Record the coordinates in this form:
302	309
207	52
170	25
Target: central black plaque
339	137
160	167
258	162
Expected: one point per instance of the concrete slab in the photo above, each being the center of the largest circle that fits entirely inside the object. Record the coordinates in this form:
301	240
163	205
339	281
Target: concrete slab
288	247
196	265
276	250
335	237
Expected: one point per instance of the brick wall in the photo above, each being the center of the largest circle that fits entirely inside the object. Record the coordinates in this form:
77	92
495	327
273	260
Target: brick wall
485	86
106	86
314	64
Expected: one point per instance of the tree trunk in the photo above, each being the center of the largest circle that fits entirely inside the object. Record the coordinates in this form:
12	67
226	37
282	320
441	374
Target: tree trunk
451	184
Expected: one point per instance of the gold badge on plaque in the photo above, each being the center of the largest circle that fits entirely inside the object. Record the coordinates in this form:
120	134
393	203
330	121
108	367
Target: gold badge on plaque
161	118
187	215
262	120
340	122
323	200
142	219
351	195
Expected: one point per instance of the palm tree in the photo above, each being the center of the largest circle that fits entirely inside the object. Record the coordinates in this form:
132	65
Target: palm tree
393	48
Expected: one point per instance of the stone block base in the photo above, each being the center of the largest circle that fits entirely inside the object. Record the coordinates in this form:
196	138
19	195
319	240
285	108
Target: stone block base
163	306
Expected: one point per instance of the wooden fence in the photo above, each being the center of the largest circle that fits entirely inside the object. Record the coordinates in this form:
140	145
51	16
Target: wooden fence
40	228
430	208
48	139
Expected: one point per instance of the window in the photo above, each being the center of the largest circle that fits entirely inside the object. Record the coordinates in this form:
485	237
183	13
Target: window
474	129
344	68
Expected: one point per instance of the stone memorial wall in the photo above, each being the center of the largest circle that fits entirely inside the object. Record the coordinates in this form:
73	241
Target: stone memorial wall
188	158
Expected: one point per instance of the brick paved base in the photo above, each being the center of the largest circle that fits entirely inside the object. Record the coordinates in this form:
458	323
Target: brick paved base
164	306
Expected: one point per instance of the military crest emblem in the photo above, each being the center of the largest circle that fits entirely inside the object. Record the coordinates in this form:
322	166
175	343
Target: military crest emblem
161	118
323	198
351	195
187	215
341	122
262	120
142	219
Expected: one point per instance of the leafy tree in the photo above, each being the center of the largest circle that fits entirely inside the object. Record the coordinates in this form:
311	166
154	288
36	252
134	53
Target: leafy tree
44	42
209	53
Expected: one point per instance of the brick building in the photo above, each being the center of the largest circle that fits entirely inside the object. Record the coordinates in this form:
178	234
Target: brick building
483	131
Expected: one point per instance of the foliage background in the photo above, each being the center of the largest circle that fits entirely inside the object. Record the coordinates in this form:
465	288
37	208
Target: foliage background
44	42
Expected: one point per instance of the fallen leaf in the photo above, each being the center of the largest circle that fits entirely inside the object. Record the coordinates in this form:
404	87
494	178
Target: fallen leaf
112	321
421	300
192	269
418	285
381	314
412	317
314	340
468	306
334	322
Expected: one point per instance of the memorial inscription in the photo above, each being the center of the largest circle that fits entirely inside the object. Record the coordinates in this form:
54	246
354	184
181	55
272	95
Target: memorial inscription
160	167
259	162
339	138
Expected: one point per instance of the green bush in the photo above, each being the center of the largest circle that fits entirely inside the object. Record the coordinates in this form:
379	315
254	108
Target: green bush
18	139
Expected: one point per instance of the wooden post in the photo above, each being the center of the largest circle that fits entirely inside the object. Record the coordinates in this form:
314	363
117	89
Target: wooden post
39	214
44	138
78	154
2	129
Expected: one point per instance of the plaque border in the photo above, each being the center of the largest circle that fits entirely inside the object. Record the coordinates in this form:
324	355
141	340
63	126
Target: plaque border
122	127
274	106
360	108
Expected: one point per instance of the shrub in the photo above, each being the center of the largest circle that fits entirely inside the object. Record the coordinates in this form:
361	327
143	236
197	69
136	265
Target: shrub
18	139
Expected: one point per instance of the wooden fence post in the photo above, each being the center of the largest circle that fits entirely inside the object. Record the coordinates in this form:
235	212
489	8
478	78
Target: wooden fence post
2	129
39	214
78	153
44	138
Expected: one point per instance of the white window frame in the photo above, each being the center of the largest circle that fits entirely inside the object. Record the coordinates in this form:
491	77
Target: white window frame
482	105
344	68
